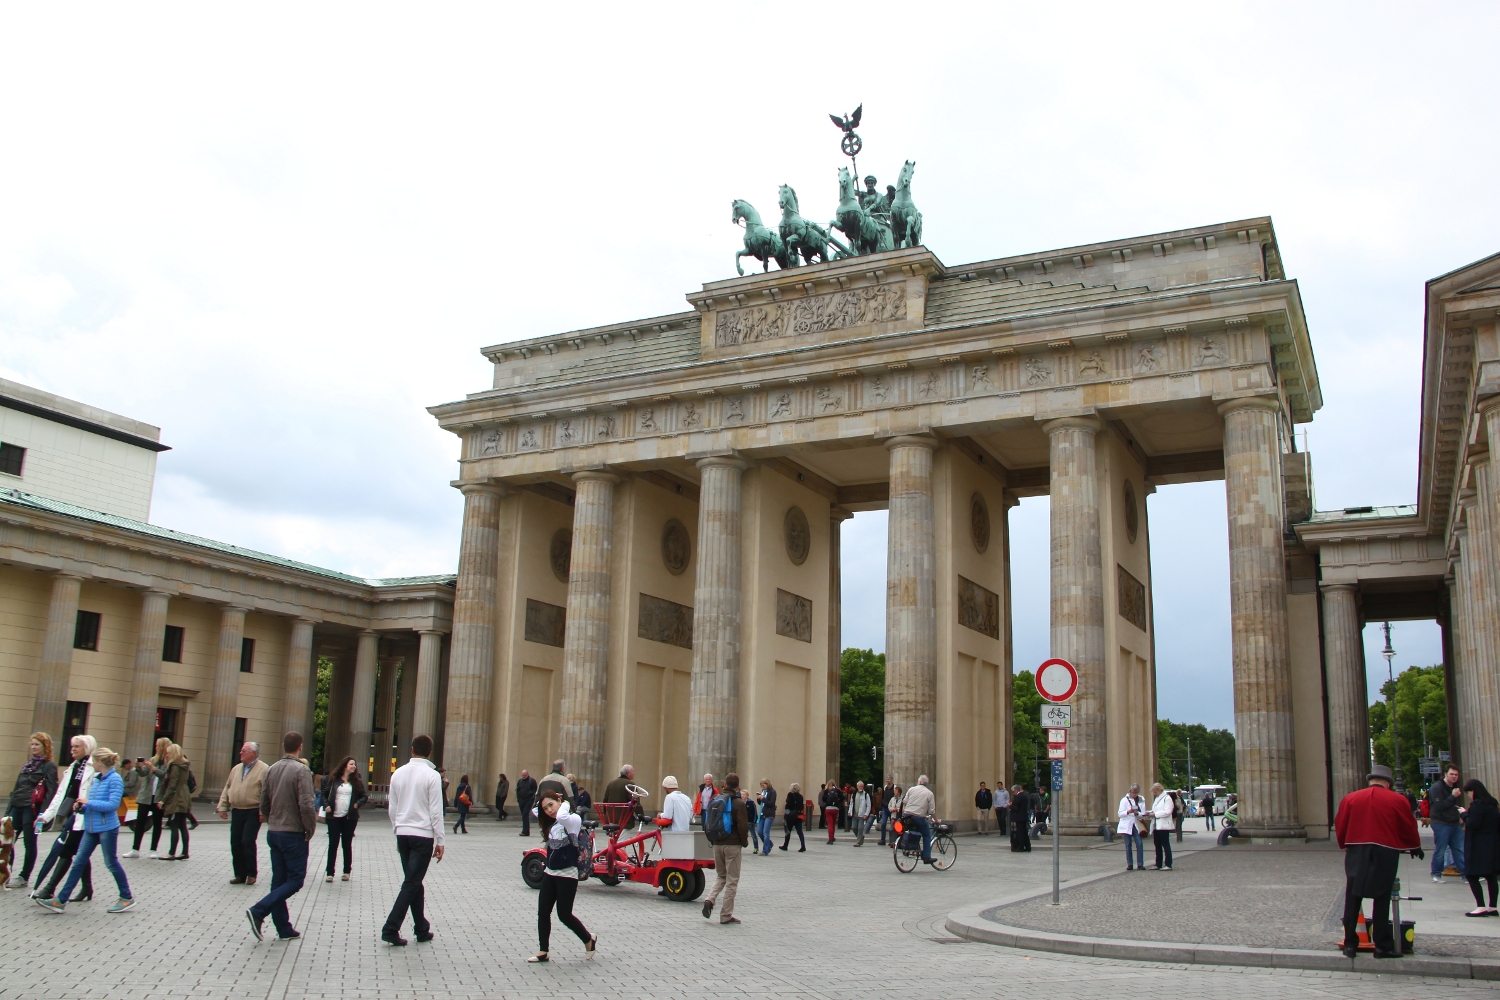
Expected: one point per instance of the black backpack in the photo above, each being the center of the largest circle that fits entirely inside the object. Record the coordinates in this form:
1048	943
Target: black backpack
718	822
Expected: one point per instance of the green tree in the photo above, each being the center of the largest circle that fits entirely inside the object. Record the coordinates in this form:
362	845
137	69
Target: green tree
862	713
320	714
1213	754
1028	741
1419	694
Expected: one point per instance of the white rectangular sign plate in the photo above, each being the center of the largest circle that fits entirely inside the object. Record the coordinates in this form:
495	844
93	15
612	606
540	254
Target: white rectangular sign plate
1057	716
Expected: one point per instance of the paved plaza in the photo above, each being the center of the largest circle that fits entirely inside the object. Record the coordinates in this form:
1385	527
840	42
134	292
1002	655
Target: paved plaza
834	922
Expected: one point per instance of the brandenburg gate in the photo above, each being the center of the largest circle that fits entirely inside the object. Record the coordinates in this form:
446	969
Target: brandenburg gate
650	556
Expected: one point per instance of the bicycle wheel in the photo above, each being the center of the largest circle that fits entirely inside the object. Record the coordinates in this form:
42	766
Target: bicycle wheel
905	860
944	852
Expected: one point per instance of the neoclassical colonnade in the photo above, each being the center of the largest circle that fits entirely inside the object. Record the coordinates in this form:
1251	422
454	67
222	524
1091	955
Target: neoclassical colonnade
941	395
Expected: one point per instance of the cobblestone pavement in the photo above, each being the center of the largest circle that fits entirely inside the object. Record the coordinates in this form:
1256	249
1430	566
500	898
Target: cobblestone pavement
836	922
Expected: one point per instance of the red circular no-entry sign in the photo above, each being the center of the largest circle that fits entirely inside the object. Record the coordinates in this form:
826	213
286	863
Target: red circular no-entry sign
1056	680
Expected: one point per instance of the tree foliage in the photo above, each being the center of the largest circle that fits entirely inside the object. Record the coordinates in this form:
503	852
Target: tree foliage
1419	694
1212	749
1028	742
320	714
862	714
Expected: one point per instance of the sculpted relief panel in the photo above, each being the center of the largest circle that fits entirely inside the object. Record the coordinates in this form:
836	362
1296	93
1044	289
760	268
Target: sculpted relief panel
1130	595
814	314
978	608
665	621
545	623
793	616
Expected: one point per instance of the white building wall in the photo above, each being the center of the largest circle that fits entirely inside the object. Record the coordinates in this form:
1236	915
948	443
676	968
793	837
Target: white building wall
79	467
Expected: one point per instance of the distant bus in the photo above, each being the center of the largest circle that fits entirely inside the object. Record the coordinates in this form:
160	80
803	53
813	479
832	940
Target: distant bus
1219	794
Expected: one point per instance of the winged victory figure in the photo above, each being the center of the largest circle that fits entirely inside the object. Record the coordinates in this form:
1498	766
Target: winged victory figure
850	123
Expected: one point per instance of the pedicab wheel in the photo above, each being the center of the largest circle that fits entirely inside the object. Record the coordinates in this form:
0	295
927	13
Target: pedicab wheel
944	853
905	860
532	867
700	882
679	885
607	878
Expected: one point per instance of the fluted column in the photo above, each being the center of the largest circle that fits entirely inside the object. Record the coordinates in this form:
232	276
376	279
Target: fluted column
1343	673
429	657
408	698
836	517
56	667
385	719
1265	751
471	661
225	704
1484	536
145	678
1464	646
911	614
362	705
300	681
714	708
1078	616
580	737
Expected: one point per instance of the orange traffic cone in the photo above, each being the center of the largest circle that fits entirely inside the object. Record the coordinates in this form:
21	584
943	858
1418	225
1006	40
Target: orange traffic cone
1362	933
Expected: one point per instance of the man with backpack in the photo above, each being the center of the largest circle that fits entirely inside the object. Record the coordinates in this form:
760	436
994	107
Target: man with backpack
728	829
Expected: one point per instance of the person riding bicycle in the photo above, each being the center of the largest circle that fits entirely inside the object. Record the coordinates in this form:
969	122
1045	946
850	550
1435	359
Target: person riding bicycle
919	812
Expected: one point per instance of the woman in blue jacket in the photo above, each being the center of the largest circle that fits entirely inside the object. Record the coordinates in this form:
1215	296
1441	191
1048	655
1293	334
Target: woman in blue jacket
101	827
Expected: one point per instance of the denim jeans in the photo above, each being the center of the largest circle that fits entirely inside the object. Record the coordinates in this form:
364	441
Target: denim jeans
106	839
885	819
1451	836
763	826
920	824
1134	839
288	872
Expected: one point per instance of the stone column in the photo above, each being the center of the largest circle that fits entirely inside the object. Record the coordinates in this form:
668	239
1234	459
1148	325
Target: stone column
145	679
408	698
300	681
1078	617
362	705
1463	617
836	517
225	704
1450	671
580	738
911	615
1265	751
385	719
714	709
56	667
429	662
471	662
1343	674
1484	599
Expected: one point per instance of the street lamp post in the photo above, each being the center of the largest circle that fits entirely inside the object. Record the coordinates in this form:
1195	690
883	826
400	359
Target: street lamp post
1390	704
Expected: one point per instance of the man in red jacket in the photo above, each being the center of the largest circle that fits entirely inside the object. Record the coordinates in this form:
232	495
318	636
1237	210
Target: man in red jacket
1374	825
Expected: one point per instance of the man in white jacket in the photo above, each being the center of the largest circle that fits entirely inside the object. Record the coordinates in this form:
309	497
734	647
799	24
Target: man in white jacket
415	805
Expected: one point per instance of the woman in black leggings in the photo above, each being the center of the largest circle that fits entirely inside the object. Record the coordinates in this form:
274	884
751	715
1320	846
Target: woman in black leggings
560	880
791	817
343	794
1481	845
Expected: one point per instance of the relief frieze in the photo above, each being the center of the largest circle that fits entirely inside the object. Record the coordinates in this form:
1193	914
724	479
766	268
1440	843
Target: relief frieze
814	314
978	608
793	616
661	620
545	623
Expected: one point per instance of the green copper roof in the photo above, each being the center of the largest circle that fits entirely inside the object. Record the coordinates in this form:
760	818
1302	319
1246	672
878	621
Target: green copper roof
15	498
1366	513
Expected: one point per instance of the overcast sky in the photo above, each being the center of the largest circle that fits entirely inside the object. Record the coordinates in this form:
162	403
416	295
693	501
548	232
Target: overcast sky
280	232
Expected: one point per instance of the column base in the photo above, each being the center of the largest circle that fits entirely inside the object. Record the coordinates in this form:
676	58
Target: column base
1269	835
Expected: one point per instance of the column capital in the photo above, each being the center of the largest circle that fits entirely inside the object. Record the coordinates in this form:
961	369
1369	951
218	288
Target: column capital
1270	404
228	609
911	441
159	592
722	462
484	487
595	476
369	631
837	514
69	576
1488	405
1082	422
1329	587
310	621
431	631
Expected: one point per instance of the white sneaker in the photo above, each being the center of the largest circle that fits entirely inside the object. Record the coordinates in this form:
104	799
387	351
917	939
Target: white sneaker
16	882
154	855
1438	879
131	854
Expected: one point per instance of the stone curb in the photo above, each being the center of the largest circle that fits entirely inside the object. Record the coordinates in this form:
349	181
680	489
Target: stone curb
968	924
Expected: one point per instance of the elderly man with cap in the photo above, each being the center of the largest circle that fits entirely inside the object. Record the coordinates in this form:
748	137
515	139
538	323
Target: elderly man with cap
1374	825
677	808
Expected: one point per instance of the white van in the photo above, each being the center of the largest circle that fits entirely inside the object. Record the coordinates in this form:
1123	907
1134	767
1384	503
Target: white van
1220	793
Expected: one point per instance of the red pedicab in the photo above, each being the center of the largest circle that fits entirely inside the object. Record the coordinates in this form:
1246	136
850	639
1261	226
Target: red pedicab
627	860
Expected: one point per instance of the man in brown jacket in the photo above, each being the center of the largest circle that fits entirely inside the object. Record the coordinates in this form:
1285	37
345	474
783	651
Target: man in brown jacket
239	802
286	805
727	854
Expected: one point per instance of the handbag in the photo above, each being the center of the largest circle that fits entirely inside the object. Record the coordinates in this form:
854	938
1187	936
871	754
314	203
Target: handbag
464	800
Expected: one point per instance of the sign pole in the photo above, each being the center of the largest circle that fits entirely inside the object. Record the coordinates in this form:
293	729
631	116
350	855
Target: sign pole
1056	681
1056	850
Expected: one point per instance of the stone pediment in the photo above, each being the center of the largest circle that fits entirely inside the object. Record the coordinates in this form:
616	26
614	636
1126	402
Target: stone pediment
815	305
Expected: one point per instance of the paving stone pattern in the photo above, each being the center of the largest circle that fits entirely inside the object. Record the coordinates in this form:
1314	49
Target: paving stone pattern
836	922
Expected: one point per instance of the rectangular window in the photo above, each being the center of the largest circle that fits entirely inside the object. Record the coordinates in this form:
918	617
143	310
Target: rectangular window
86	630
239	741
166	723
171	645
247	655
12	458
75	721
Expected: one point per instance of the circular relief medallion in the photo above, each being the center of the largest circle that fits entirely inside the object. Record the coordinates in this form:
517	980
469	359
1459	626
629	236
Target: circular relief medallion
1132	514
979	522
798	537
562	553
676	547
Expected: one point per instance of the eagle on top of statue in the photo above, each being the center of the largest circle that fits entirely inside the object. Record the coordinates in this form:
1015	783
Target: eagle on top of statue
850	123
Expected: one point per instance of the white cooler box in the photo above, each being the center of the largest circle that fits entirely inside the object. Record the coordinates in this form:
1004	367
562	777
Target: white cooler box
690	845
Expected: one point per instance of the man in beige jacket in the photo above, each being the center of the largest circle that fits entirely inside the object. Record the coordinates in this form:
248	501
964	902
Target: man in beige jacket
239	802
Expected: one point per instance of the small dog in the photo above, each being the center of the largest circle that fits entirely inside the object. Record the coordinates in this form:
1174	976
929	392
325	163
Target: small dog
7	848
